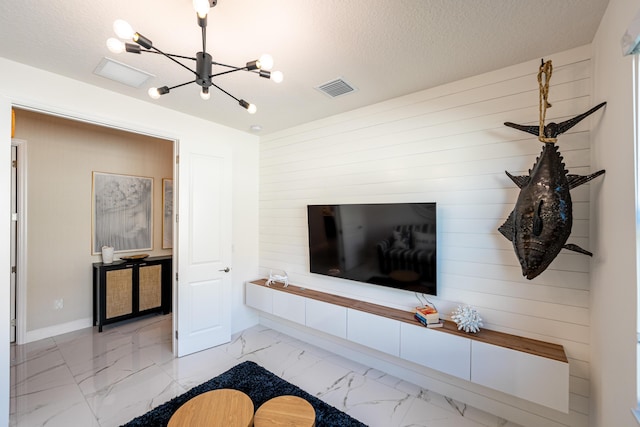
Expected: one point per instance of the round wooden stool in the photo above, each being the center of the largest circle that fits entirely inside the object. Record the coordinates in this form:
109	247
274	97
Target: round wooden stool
290	411
216	408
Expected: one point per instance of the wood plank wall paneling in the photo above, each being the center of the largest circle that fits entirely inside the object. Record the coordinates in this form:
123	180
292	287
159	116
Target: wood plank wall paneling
447	145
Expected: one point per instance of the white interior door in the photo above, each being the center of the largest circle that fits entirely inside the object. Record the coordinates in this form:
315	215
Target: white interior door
203	317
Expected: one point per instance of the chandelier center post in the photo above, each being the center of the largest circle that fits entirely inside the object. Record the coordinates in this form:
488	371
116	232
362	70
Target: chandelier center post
203	69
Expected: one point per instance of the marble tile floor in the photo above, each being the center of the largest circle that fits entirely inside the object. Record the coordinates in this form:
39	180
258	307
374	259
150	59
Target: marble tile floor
92	379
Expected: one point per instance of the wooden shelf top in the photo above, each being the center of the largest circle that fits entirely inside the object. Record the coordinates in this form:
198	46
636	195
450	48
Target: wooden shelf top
514	342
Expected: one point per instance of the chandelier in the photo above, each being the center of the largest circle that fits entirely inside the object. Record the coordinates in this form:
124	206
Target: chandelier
203	61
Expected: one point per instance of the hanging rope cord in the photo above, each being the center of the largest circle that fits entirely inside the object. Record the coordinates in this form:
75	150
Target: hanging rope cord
546	69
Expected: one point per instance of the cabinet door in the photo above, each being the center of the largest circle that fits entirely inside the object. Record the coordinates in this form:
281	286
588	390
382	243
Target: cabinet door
119	292
380	333
326	317
437	350
289	306
538	379
149	287
259	297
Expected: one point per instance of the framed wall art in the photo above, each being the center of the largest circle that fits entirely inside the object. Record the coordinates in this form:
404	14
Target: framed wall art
167	213
122	212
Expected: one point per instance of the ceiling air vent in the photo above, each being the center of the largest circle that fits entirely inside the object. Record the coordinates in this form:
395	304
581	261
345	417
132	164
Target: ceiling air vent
122	73
337	87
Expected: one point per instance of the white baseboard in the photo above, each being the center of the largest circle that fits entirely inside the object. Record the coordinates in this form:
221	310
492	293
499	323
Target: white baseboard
52	331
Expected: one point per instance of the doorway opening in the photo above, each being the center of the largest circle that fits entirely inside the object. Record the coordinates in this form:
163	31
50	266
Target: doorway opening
63	154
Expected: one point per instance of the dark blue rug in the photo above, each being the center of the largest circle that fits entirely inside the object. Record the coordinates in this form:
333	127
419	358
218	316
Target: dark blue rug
260	385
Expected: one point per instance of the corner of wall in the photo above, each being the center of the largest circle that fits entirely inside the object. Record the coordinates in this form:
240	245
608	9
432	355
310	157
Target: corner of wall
614	278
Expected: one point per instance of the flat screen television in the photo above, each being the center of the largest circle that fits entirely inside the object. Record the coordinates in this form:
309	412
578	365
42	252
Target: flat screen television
386	244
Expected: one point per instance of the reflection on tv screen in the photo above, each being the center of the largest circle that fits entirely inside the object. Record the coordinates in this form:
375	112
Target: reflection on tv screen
391	245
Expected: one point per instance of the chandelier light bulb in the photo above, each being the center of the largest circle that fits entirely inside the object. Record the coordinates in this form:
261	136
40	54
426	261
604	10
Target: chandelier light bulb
153	93
202	8
277	76
123	29
204	93
115	45
252	109
266	62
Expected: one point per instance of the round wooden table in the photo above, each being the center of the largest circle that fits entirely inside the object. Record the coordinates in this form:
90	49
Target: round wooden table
285	411
216	408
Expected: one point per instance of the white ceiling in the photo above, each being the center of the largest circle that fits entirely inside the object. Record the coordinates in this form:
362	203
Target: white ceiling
384	48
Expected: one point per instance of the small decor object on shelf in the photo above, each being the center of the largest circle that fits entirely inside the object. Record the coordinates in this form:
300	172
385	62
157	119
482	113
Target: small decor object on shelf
427	314
107	254
467	319
282	278
138	257
440	324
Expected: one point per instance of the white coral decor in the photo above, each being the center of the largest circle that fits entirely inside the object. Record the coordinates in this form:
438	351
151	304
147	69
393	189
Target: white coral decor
467	319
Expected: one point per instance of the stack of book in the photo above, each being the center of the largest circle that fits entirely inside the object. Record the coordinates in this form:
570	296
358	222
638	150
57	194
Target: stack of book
428	316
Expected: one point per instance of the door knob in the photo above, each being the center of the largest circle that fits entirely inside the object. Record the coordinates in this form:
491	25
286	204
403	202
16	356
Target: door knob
226	270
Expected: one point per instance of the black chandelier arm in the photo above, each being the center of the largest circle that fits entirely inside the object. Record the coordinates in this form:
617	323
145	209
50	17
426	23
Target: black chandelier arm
170	56
233	69
228	72
173	55
229	66
182	84
222	90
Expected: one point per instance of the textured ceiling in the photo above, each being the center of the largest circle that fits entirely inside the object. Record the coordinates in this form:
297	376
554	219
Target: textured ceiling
384	48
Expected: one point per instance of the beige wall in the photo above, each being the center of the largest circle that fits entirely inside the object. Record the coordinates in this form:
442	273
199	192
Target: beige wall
61	155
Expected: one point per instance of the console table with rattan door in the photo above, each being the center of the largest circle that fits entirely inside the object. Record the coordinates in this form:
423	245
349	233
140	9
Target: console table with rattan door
127	289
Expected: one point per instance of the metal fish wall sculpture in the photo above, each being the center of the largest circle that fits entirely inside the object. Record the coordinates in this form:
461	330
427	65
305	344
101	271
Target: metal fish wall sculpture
541	220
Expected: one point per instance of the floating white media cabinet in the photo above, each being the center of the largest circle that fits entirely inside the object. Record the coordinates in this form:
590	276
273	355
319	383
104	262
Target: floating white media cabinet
533	370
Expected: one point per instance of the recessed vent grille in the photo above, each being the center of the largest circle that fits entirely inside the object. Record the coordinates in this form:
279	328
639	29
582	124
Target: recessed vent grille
337	87
122	73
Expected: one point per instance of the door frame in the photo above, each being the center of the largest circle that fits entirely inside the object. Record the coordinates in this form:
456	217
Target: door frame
21	239
21	292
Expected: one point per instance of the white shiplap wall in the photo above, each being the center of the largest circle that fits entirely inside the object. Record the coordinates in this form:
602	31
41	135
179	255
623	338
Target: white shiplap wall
448	145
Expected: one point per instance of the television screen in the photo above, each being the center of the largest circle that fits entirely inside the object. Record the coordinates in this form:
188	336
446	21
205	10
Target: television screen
391	244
